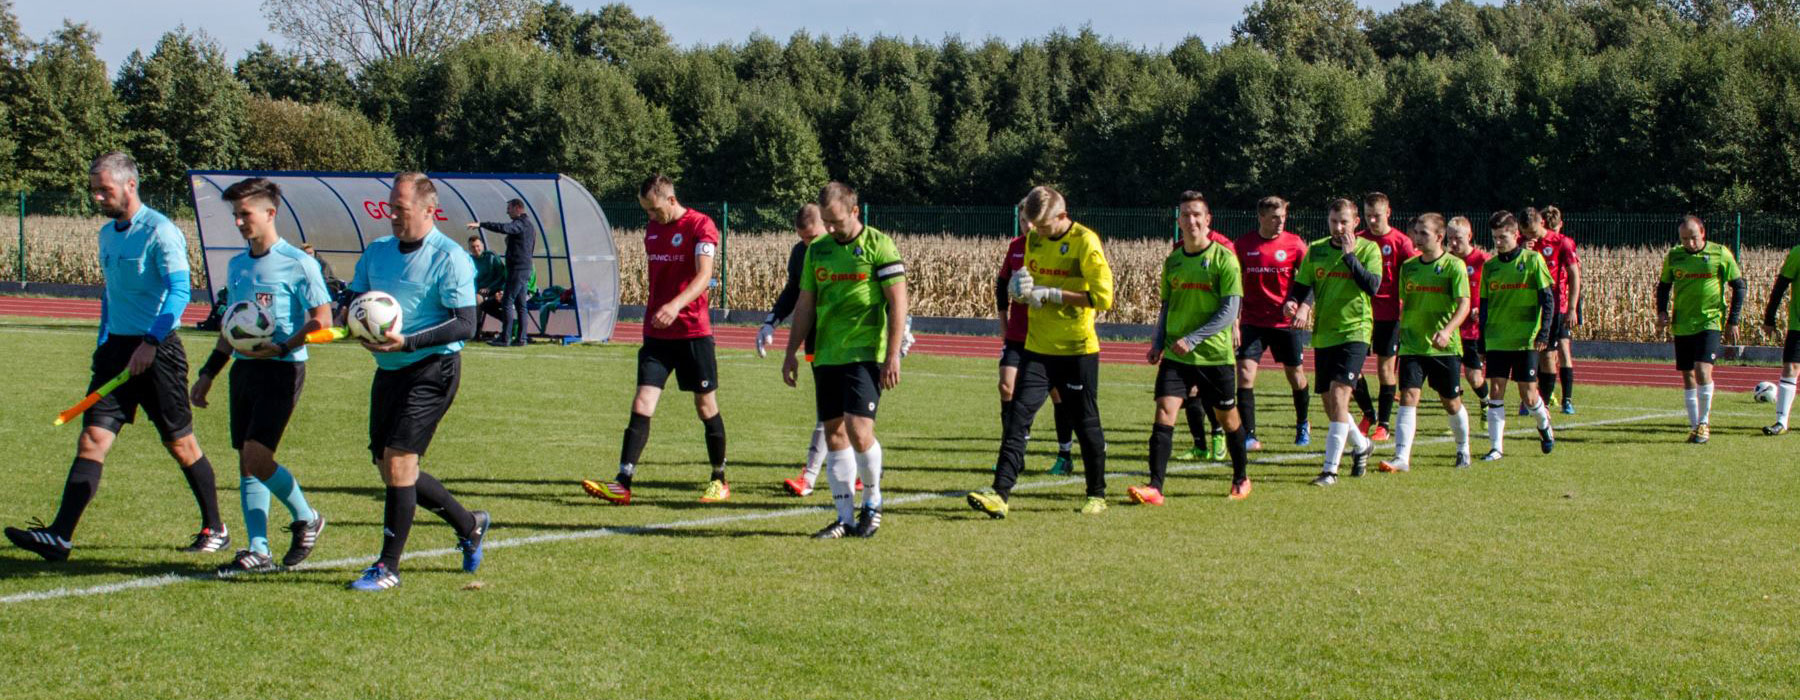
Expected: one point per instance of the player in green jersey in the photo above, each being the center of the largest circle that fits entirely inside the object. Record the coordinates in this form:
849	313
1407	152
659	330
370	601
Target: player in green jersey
1696	272
1342	273
1517	301
1202	291
1434	300
1790	349
853	303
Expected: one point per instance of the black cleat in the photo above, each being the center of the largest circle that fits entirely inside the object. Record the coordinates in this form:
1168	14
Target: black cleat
1546	441
40	541
306	536
246	562
868	522
471	545
1325	479
836	530
207	541
1359	461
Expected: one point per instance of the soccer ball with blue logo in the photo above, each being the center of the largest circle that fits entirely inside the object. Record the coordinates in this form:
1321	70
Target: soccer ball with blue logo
1764	393
372	315
246	325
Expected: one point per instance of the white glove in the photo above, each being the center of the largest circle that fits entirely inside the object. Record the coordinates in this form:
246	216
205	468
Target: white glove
763	338
1039	296
906	338
1020	285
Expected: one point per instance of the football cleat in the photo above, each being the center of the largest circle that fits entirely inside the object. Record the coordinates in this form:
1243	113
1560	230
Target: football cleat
1492	456
867	522
1218	450
1387	467
1095	505
375	578
1462	460
206	541
1701	434
717	491
246	562
471	545
612	491
305	537
1775	429
1325	479
835	531
1523	411
1546	440
1198	454
797	486
1145	495
1359	461
1240	490
990	503
1251	444
1303	434
1568	407
1364	425
40	541
1380	434
1064	466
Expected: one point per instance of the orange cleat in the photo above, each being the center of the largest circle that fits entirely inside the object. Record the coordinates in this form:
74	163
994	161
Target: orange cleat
1145	495
797	486
1387	467
1380	434
1240	490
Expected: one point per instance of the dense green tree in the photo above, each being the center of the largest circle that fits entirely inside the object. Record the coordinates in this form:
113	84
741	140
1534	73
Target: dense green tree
64	112
288	135
1313	30
183	109
287	76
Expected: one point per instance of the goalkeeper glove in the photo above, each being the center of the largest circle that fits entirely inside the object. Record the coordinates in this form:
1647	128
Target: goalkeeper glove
763	337
906	338
1020	286
1039	296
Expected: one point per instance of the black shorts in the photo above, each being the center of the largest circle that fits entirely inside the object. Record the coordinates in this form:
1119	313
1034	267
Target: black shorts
1385	340
1694	349
1216	385
1286	344
1790	351
1559	327
1514	365
162	390
1471	354
853	389
692	361
263	396
406	404
1443	373
1341	364
1012	353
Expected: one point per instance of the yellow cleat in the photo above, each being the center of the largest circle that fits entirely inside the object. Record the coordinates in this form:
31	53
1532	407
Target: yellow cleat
990	503
717	491
1095	505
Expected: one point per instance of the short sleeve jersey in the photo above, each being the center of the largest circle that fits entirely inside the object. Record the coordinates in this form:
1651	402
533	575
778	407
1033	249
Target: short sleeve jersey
1071	262
429	282
1559	255
1471	327
1268	265
673	251
1395	247
848	279
1509	292
1219	238
1194	286
1790	271
1341	310
136	264
1699	287
1429	295
286	282
1018	316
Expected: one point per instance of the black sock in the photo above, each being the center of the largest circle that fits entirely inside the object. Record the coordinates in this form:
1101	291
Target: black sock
1065	427
637	432
206	493
1196	420
715	445
1481	390
1567	374
437	499
1234	444
1005	411
1302	405
1387	403
1546	387
1360	391
1246	401
83	483
1162	438
396	524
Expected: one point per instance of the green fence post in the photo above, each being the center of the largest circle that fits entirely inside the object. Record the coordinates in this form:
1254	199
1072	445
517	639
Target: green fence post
724	269
1737	244
21	238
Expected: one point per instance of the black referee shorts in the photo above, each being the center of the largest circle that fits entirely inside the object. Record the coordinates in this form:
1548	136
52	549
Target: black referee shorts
263	396
162	390
406	404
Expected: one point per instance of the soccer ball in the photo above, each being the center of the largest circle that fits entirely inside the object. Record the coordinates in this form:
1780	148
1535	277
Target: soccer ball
246	325
1764	393
372	315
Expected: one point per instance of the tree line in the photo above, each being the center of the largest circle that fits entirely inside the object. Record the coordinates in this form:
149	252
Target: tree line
1603	105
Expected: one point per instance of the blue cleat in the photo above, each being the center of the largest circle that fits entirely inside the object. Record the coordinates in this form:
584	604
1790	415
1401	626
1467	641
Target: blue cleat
376	578
471	545
1546	441
1251	444
1303	434
1568	407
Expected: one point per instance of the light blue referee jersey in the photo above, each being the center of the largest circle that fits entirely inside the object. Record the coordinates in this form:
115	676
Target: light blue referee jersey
286	282
138	264
429	282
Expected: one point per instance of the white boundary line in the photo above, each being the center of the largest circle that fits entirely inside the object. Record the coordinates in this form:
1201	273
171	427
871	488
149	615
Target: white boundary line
173	578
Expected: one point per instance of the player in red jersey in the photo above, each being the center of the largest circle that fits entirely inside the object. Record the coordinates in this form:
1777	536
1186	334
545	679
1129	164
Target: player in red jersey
1459	239
1269	257
1384	342
1565	274
679	246
1014	321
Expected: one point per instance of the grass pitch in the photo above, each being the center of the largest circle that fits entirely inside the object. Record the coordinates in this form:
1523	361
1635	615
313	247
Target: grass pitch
1627	564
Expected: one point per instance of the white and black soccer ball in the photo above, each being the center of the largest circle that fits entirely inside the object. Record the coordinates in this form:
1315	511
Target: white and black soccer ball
245	325
1764	392
372	315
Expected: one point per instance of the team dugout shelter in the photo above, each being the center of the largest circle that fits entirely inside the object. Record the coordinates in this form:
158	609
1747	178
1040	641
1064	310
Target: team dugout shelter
339	213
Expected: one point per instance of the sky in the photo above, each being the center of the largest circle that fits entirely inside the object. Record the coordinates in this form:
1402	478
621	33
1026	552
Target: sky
128	25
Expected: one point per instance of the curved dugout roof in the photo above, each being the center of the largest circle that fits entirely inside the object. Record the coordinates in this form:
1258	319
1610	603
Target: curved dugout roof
339	213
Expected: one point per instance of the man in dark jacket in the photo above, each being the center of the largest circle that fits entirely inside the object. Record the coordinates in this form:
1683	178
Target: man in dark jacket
521	240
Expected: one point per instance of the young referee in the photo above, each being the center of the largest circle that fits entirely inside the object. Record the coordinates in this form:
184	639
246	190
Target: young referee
266	381
417	374
143	258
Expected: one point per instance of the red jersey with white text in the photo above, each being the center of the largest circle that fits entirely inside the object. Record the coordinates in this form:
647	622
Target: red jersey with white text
1471	327
1268	268
1018	316
671	250
1396	248
1559	253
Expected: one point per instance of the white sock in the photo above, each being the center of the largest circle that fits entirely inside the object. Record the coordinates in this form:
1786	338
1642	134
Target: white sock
1784	399
1357	441
1335	433
868	468
1459	427
1542	412
1496	415
1692	396
815	456
1405	422
840	470
1706	392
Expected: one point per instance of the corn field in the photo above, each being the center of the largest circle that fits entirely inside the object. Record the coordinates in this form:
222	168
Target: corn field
66	249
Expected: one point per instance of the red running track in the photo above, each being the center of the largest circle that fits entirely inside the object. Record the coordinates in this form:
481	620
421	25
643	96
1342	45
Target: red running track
1588	371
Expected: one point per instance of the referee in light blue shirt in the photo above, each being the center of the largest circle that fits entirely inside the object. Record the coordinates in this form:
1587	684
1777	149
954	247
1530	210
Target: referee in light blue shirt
416	374
143	257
